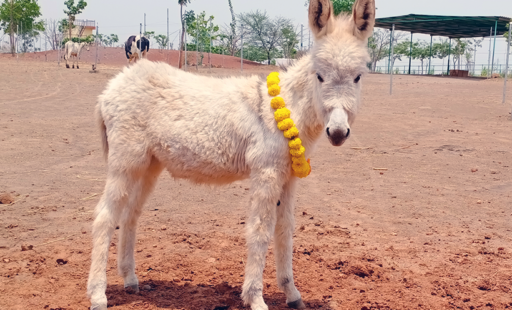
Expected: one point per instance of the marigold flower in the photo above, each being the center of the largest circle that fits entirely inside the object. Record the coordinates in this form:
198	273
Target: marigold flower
295	143
285	124
281	114
274	90
292	132
272	80
277	103
298	153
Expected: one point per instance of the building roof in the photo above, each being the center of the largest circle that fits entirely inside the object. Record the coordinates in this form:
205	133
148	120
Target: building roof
446	26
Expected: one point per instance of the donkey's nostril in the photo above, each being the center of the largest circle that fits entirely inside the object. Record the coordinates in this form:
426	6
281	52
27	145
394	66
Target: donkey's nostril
328	133
348	133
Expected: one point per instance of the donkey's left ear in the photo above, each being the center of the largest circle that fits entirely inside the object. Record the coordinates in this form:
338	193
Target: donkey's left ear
363	15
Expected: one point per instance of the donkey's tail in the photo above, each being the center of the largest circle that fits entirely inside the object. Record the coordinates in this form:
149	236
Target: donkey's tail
103	131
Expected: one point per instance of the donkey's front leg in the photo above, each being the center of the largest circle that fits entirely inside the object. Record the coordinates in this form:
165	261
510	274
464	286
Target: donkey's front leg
283	240
266	186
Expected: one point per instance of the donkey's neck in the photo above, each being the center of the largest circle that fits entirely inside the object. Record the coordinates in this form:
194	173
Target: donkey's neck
299	94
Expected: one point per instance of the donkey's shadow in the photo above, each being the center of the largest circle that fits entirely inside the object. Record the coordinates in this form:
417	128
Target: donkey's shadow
189	296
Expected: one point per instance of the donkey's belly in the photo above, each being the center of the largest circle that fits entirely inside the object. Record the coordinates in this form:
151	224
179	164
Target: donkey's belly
207	166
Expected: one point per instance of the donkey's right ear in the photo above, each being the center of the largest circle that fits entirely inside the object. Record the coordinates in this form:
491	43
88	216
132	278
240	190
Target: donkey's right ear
320	17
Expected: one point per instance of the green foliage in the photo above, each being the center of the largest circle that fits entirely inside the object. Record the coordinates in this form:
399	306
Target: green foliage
19	17
73	9
89	39
484	71
506	35
265	32
162	41
202	31
289	41
340	6
149	34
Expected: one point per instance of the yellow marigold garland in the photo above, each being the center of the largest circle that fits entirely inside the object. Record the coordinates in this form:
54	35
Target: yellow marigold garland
301	167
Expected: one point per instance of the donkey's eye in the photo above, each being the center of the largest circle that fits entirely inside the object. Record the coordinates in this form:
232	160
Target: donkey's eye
358	78
320	78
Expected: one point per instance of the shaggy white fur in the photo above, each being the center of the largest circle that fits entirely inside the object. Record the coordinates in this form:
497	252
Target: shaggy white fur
215	131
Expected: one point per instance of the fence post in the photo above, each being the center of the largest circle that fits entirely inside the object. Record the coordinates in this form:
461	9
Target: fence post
507	63
242	50
391	61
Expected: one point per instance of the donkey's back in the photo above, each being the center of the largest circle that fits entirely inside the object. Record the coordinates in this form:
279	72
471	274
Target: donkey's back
200	128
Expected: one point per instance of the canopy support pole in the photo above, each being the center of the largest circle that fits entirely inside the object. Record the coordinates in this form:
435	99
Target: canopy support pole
489	58
506	65
449	54
391	61
494	47
410	55
390	47
430	60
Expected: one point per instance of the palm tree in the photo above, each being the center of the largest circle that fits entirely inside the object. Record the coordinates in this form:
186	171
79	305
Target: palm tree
182	3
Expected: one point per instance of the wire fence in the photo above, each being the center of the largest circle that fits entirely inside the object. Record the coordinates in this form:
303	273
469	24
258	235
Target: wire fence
479	70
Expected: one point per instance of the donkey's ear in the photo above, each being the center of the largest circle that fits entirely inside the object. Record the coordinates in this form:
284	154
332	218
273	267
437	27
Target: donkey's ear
320	17
363	15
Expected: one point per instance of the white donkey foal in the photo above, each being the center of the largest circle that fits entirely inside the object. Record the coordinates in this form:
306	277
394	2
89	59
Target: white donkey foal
155	117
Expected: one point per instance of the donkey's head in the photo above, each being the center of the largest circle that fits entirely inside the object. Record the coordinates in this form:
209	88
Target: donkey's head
339	60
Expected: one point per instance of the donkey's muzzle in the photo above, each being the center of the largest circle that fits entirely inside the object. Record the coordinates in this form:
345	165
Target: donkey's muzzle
338	136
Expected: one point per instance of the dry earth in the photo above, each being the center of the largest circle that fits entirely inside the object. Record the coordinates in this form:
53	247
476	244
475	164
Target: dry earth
431	231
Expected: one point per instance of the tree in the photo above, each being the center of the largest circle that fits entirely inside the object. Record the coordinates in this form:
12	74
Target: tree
113	39
506	35
202	31
15	13
162	41
340	6
289	41
233	29
182	3
72	11
53	33
265	32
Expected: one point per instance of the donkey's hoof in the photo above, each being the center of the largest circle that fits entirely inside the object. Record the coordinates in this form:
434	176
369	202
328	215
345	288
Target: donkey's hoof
77	67
298	304
99	303
67	66
132	288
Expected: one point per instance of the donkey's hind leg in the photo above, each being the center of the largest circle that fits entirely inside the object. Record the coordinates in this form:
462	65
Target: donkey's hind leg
283	241
118	190
128	225
266	187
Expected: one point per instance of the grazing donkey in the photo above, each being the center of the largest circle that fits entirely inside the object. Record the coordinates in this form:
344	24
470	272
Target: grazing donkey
215	131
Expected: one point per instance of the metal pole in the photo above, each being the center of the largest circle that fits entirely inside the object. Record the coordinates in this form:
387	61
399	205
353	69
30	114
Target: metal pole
242	50
210	54
506	61
185	46
410	55
494	47
140	39
390	47
168	39
474	60
144	27
430	60
197	43
489	58
391	61
449	54
302	37
16	45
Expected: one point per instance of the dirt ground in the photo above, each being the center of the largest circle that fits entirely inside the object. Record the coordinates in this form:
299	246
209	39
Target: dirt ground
430	231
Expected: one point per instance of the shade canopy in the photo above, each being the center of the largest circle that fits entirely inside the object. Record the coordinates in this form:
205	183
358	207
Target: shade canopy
446	26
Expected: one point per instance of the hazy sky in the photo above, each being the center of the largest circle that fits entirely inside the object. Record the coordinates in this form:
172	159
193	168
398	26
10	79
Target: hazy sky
123	17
